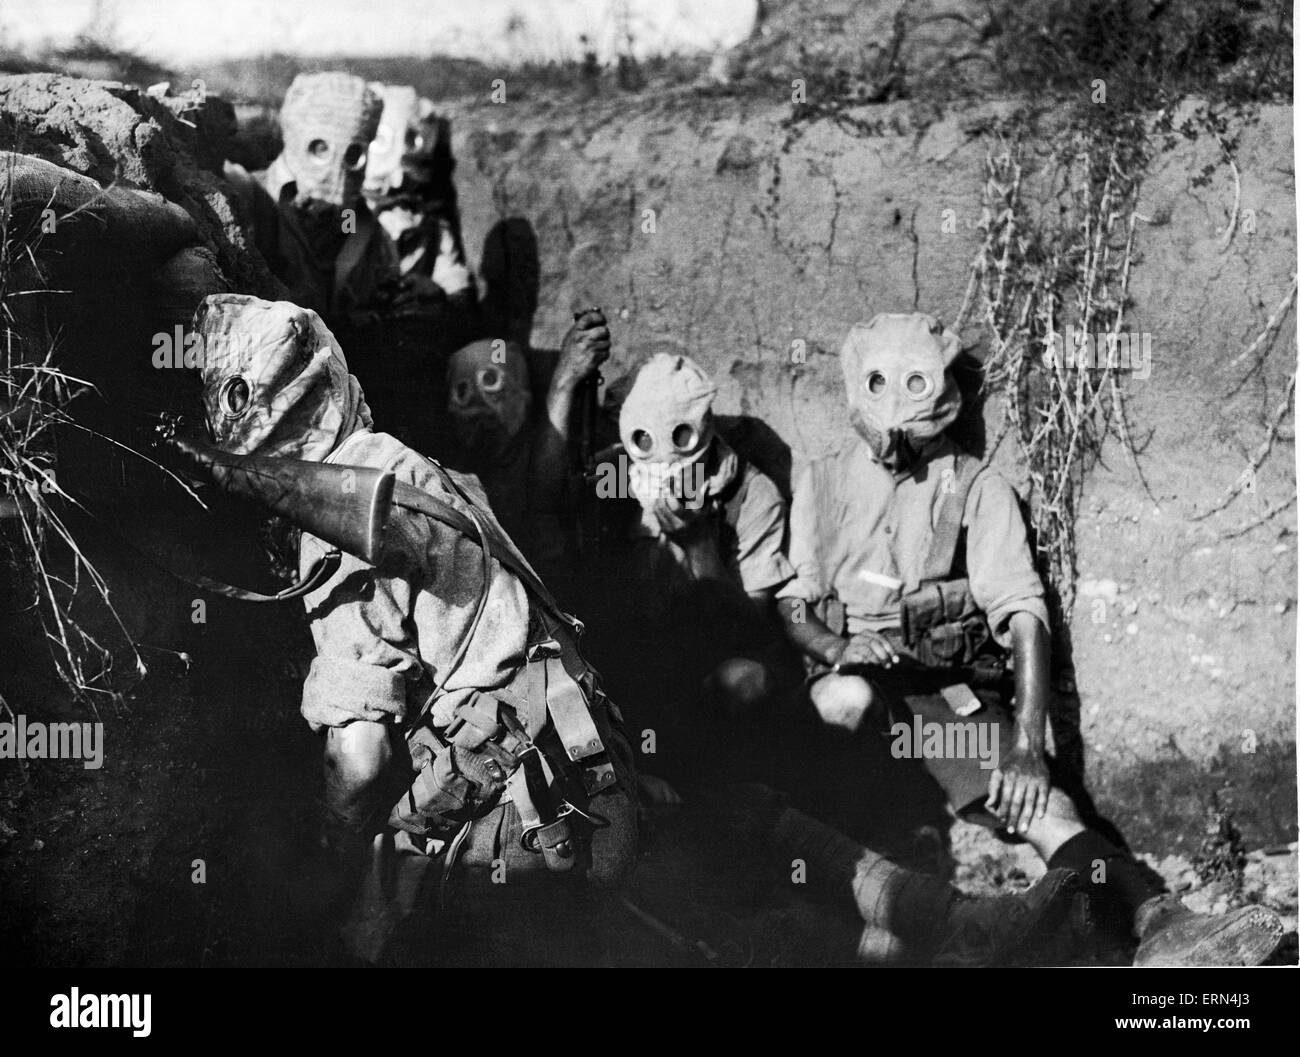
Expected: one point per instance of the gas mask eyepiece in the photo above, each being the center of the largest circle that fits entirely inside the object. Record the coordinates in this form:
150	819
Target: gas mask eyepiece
234	396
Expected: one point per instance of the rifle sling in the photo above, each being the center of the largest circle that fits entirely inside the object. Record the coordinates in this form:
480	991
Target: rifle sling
322	569
412	498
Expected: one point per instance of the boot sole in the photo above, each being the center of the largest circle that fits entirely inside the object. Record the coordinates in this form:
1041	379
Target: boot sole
1246	936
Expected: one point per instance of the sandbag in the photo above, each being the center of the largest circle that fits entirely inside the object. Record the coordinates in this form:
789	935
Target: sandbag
136	223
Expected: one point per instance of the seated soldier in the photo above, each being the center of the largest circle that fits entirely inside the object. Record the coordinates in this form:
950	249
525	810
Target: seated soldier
924	554
522	457
702	567
306	212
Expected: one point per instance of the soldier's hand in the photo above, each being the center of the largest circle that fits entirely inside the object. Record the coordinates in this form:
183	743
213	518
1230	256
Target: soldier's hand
449	271
866	648
657	796
667	497
584	348
1019	788
672	514
414	293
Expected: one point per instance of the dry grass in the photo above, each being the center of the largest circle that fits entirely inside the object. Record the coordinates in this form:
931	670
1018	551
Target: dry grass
44	558
1034	276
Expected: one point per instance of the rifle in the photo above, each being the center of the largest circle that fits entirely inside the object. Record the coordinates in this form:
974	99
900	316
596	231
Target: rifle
589	521
348	507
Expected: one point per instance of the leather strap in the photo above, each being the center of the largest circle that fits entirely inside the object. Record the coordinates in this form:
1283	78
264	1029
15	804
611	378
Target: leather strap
412	498
354	250
952	506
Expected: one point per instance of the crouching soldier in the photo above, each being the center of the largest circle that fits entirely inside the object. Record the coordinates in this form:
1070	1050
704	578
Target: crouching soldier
522	453
467	744
914	583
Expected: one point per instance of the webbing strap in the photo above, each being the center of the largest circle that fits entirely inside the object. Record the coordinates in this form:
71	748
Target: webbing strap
353	251
952	506
521	796
567	704
533	689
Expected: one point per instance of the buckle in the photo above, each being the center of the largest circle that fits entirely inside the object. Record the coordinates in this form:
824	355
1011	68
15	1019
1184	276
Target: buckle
558	833
596	777
554	841
543	651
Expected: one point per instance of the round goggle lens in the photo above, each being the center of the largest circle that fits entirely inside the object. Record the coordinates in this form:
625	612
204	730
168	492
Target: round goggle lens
235	397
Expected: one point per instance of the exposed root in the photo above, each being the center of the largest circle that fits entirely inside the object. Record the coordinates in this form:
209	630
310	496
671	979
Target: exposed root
1028	281
1246	480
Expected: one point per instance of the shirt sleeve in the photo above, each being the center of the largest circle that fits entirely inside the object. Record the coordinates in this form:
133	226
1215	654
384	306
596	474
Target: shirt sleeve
363	624
760	537
1003	579
808	582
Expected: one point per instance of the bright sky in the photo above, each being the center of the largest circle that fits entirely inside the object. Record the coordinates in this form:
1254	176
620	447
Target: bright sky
189	30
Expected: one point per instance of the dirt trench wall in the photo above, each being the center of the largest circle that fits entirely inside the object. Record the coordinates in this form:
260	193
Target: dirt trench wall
713	228
105	291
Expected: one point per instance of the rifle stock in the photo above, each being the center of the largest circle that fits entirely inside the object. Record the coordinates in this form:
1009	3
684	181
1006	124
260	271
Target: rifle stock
346	506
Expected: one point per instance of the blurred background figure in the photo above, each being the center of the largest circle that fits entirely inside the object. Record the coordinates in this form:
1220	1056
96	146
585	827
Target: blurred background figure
523	454
311	222
409	188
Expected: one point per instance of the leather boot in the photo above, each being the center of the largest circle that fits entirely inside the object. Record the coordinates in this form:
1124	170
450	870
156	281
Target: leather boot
1171	933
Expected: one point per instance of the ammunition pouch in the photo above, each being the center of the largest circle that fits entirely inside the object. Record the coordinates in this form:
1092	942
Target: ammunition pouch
458	777
943	628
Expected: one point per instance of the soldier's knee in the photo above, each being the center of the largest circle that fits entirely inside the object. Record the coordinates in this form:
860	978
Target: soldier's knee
741	686
842	700
356	759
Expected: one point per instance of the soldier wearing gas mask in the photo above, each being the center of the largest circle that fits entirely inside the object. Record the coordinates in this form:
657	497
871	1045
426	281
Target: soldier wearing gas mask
409	188
466	741
322	239
700	569
916	600
522	453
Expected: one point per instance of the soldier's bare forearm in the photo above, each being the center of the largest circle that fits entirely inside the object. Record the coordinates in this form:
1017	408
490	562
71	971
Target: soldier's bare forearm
1031	649
551	470
559	407
809	635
